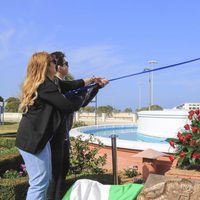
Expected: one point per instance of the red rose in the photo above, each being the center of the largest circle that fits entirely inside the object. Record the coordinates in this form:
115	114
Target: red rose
172	158
195	155
188	136
190	117
198	117
197	112
181	154
181	138
193	142
187	127
171	142
194	129
184	141
179	135
191	113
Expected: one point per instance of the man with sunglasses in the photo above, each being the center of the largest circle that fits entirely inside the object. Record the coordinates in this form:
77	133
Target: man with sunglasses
60	144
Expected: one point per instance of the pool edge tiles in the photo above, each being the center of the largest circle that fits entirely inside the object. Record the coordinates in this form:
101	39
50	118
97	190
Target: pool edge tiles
137	145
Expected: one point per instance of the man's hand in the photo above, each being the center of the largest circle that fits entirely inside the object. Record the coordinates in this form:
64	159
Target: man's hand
101	81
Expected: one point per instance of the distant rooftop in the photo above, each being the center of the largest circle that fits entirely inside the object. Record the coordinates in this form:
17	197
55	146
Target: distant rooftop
188	106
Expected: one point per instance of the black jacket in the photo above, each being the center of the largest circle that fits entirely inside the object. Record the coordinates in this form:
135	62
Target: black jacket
85	97
44	118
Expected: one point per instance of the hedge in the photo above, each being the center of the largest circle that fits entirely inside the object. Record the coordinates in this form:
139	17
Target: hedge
13	189
16	189
7	142
8	134
10	161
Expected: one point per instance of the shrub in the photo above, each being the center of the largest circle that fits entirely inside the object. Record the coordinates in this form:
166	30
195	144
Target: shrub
78	124
10	160
187	143
8	134
85	159
10	174
131	172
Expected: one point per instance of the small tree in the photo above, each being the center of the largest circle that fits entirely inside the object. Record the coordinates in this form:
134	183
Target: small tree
1	99
88	109
156	107
128	110
153	107
105	109
115	110
12	104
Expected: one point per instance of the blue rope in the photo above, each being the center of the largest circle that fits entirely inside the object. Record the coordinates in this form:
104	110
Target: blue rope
135	74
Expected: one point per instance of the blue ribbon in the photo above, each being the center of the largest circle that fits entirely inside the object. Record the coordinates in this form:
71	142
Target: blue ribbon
135	74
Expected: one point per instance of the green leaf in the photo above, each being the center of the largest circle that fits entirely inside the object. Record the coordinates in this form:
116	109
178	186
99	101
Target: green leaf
198	140
190	149
192	161
189	154
180	161
174	139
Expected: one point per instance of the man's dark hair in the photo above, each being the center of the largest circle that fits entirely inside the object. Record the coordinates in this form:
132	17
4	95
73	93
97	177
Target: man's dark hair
59	57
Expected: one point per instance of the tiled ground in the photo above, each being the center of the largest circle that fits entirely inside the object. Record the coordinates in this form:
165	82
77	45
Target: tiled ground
125	160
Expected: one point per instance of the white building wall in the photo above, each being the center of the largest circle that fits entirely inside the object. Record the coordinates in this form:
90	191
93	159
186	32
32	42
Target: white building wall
165	123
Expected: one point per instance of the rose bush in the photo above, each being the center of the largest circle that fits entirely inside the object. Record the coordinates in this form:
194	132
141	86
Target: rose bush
187	143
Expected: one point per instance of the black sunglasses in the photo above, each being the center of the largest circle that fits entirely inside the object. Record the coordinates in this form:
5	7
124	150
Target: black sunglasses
66	63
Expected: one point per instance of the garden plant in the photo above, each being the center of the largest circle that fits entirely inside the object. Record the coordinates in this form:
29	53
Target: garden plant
187	143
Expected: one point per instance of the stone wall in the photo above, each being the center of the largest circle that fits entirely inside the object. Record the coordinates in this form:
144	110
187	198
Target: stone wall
88	118
12	117
105	119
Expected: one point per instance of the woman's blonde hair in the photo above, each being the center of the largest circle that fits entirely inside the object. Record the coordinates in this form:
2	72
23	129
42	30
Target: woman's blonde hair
36	73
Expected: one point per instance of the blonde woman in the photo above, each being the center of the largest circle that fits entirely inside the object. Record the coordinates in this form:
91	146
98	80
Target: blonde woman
43	108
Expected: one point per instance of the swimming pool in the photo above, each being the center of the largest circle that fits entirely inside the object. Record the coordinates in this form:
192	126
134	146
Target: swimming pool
128	137
128	132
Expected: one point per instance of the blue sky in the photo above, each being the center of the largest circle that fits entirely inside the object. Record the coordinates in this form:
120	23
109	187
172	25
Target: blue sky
110	38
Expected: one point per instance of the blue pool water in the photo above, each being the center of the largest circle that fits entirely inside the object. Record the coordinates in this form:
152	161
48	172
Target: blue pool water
123	132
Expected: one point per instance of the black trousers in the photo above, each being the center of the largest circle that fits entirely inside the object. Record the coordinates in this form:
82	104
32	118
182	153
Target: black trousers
60	166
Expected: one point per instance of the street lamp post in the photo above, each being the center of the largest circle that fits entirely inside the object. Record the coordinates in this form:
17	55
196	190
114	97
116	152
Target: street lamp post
151	62
96	110
139	95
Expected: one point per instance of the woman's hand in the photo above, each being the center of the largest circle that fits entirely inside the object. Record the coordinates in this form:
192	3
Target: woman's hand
88	81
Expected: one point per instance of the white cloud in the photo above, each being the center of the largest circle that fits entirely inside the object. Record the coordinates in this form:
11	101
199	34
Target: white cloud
6	36
96	59
102	60
5	41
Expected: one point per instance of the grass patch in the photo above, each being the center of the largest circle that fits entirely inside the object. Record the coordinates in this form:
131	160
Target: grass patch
4	151
16	188
7	142
9	127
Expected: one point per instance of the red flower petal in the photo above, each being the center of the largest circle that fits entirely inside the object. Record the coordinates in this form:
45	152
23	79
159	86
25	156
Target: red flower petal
172	158
187	127
194	129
